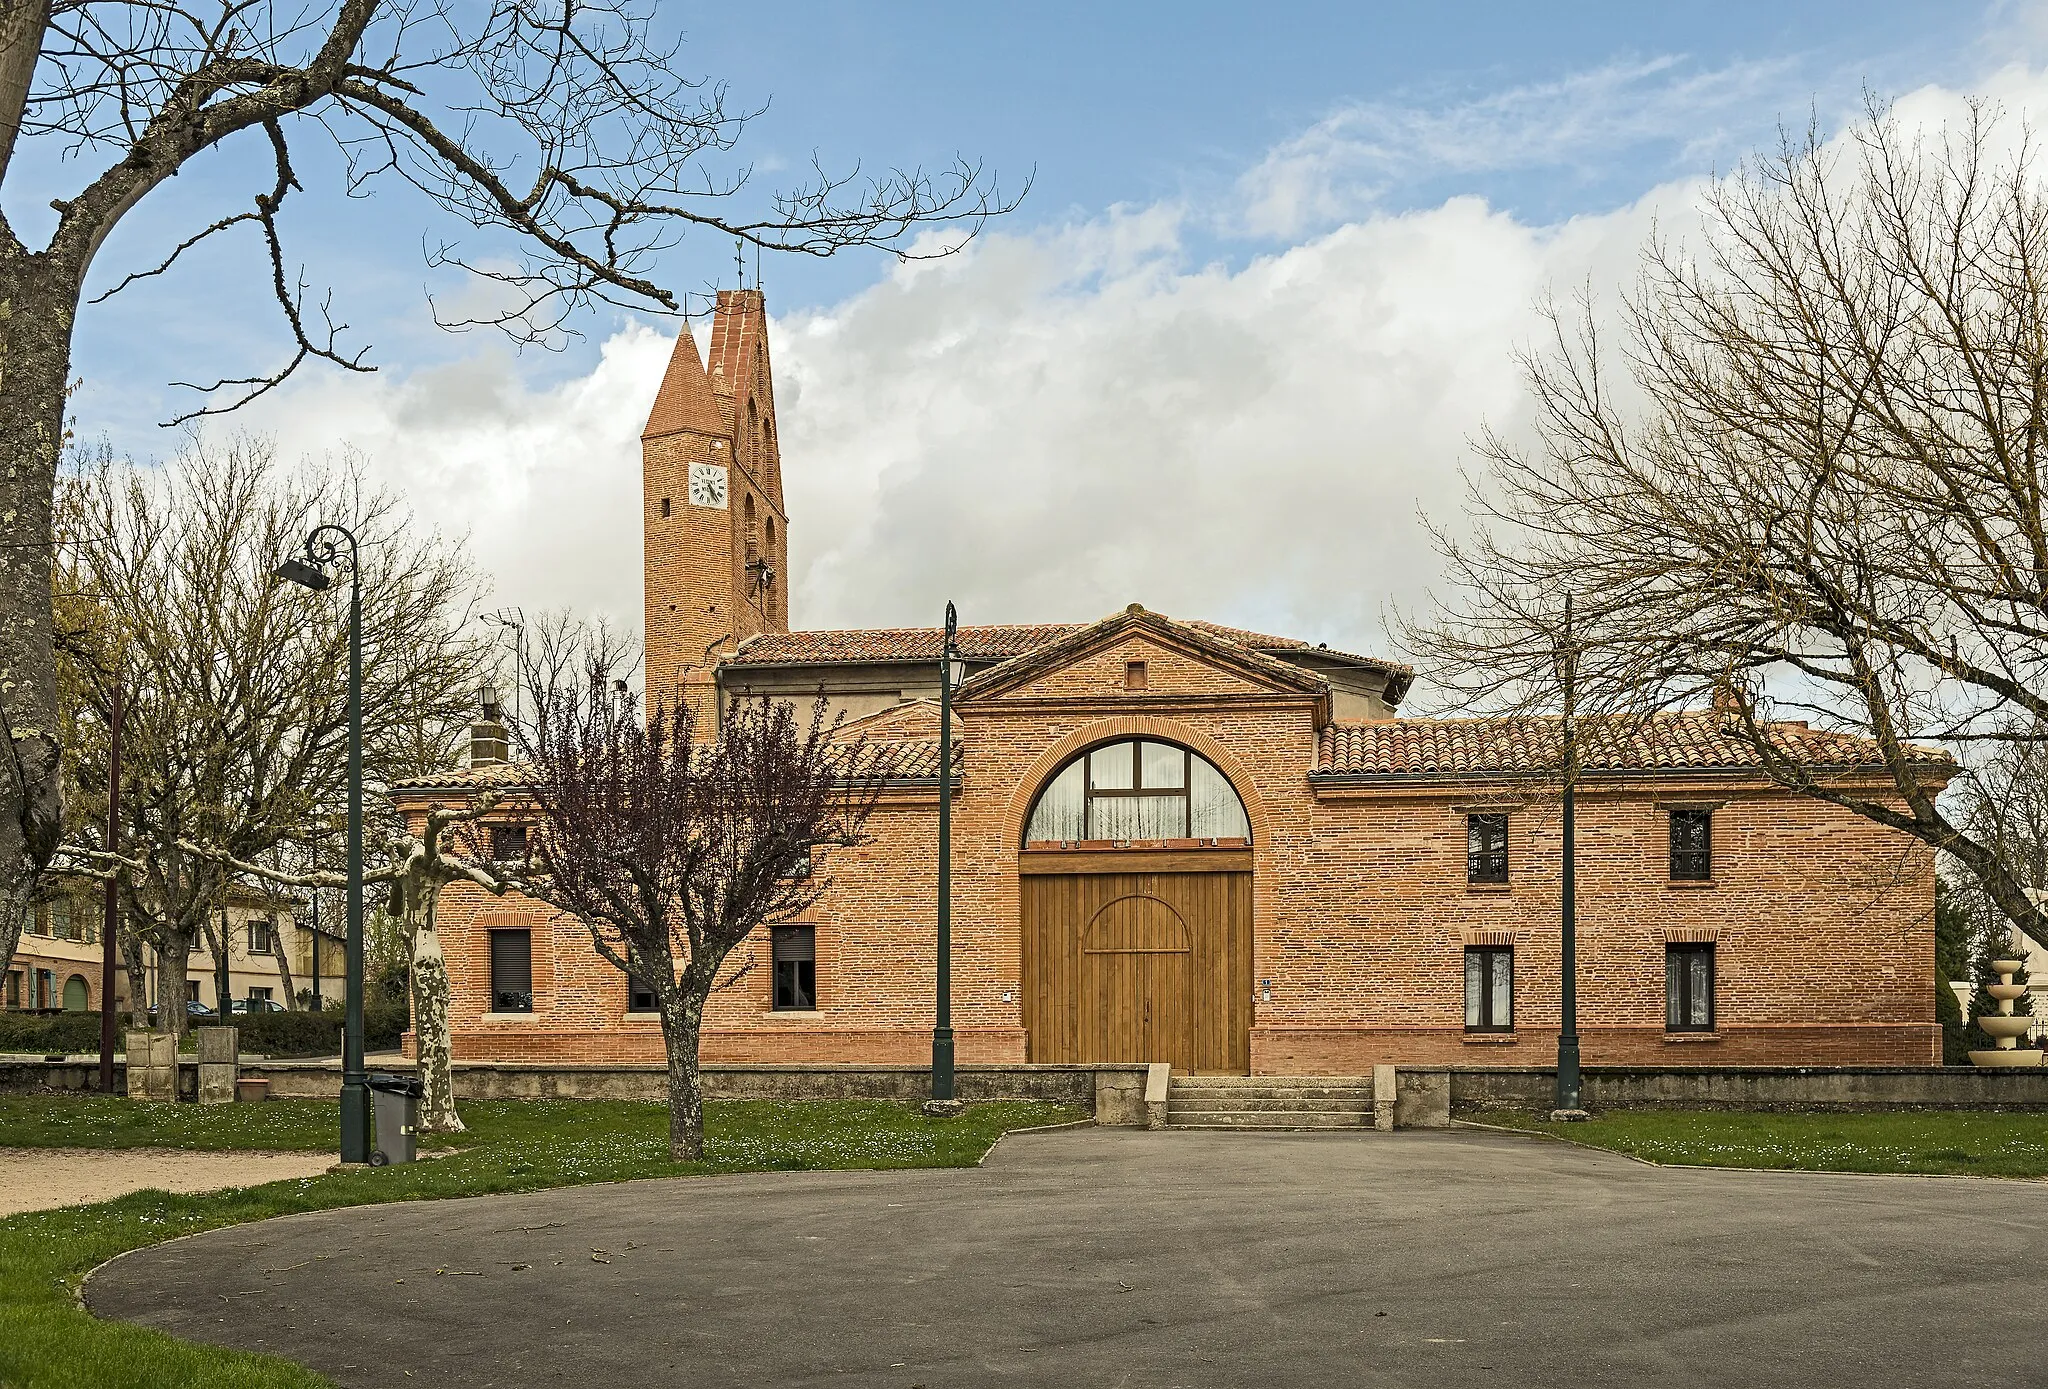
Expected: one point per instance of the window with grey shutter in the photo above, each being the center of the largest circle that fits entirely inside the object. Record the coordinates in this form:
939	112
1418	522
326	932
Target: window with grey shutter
511	971
796	967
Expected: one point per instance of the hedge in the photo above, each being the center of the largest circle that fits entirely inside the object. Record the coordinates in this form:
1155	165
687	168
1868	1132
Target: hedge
49	1032
269	1034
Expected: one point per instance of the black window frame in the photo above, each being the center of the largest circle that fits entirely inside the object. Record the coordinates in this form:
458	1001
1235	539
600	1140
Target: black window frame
795	990
639	998
1690	862
1486	862
501	837
1491	958
500	995
1678	996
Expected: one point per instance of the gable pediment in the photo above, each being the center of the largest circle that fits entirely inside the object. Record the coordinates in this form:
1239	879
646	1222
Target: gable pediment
1095	663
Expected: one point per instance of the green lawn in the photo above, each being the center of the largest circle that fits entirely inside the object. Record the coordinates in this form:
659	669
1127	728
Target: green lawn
47	1342
1941	1141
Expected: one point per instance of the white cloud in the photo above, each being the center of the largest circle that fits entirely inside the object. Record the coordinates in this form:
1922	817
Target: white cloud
1344	164
1050	426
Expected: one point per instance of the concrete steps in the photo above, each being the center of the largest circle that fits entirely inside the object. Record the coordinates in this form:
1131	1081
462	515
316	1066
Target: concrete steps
1270	1102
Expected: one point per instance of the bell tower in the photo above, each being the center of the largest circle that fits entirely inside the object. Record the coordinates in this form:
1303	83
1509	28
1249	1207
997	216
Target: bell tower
716	534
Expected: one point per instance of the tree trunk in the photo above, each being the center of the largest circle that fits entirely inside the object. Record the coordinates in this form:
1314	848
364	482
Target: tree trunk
138	976
171	987
221	945
37	305
430	1000
681	1021
284	970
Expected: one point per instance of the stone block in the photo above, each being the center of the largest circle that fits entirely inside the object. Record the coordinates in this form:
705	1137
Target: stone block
217	1045
1158	1081
1120	1097
152	1066
1385	1089
1423	1100
216	1082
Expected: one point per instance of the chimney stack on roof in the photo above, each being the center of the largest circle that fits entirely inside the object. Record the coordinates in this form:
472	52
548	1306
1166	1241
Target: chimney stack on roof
489	745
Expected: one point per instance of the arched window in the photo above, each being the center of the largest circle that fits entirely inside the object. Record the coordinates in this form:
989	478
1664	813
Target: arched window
76	994
753	550
1138	789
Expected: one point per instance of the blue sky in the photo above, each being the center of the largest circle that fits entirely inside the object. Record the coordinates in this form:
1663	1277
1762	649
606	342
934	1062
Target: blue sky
1275	260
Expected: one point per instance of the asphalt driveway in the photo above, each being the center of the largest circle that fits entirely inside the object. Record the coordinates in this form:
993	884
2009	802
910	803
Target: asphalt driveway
1108	1257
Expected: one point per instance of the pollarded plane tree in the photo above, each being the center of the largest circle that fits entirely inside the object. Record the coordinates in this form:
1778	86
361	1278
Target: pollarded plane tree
567	141
1803	478
420	866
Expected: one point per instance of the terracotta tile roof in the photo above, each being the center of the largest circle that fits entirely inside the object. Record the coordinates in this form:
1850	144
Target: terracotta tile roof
498	774
985	643
997	642
909	757
1665	742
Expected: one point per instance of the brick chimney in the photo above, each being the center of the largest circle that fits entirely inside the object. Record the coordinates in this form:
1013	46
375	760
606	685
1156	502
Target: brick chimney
488	744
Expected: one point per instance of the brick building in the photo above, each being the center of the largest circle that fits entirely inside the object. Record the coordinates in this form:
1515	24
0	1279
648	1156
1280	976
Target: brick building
1185	842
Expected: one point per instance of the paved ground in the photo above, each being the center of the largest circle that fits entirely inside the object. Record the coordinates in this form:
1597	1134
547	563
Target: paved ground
35	1179
1106	1257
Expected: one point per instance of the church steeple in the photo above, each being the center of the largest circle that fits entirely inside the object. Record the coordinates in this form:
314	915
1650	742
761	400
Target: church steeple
685	401
717	537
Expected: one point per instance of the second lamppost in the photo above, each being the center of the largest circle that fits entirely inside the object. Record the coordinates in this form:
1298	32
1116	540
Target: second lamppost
323	552
1568	1106
942	1026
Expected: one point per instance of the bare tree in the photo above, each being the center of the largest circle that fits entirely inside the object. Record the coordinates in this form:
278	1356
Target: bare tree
1807	483
673	852
567	139
236	715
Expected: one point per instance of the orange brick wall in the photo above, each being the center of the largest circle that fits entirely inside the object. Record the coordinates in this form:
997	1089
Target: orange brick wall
1823	920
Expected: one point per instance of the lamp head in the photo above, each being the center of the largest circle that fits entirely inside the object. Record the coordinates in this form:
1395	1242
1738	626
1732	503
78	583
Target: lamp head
302	570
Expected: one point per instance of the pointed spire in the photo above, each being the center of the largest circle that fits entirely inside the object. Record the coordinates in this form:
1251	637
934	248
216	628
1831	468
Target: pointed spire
685	401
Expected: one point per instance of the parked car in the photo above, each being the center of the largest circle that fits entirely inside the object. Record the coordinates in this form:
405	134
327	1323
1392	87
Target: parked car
255	1005
193	1009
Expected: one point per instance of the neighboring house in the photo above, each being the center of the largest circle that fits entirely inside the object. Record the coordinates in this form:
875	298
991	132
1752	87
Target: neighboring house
57	965
1177	841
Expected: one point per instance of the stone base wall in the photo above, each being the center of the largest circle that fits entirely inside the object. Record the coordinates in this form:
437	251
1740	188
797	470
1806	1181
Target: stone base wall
1116	1093
1756	1087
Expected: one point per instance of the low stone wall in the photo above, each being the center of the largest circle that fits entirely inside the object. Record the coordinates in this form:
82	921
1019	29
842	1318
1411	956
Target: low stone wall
1757	1087
1115	1094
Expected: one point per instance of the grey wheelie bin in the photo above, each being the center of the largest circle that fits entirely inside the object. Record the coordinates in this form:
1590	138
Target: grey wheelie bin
395	1111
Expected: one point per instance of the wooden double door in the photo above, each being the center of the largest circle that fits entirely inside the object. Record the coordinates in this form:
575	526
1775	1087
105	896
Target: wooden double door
1139	966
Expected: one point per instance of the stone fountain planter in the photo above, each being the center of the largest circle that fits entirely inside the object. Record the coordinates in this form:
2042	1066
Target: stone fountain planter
2006	1026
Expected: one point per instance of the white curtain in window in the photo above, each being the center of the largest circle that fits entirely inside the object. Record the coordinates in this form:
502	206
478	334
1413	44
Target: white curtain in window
1214	811
1060	811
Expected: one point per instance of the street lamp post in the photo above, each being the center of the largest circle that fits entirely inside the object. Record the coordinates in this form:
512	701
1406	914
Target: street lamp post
310	570
1568	1105
942	1026
110	906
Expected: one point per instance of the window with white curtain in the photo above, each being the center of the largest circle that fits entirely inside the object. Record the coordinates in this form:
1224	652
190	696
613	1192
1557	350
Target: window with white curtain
1138	789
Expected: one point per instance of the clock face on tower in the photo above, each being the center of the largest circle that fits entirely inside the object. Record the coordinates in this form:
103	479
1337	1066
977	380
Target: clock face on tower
707	485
